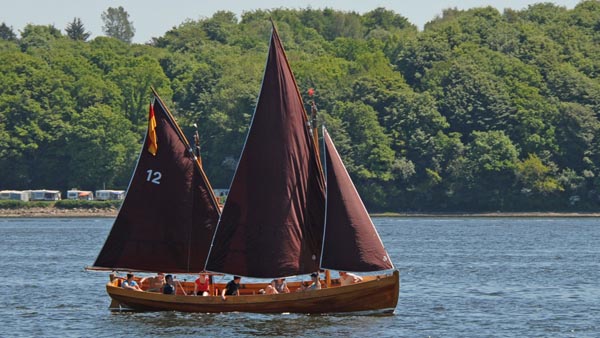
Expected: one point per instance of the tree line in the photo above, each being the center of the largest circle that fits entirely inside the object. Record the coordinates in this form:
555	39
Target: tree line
482	110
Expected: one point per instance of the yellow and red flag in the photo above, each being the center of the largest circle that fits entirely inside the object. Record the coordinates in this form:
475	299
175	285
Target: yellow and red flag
152	141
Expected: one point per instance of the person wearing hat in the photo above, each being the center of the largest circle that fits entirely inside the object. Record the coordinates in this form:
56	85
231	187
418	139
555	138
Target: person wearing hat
315	285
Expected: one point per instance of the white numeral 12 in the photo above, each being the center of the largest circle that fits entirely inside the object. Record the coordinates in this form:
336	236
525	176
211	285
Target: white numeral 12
153	176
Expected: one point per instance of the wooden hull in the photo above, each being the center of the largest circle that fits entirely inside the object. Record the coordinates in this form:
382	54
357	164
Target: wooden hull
375	295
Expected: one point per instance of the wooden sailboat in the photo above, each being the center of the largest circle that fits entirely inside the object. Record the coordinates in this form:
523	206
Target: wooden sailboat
285	215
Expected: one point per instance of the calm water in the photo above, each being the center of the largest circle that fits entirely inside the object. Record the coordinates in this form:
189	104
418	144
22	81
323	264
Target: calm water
474	277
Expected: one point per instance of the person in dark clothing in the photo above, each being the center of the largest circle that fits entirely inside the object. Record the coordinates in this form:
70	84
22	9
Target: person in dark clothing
232	288
169	287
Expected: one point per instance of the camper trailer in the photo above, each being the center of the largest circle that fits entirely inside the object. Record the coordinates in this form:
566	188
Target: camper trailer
82	195
221	195
221	192
15	195
44	195
110	195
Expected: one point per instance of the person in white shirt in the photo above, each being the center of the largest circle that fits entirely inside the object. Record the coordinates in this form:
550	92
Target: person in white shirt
349	278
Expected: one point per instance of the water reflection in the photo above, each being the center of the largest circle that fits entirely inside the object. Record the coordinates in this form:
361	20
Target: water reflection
248	324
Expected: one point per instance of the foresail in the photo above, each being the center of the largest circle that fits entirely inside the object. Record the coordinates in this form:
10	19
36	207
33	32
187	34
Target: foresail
272	222
169	214
351	242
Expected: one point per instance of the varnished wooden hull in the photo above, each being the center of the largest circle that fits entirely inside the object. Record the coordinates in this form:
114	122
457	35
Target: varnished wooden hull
379	294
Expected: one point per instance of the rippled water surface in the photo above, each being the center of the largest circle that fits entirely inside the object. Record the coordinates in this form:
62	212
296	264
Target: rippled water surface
471	277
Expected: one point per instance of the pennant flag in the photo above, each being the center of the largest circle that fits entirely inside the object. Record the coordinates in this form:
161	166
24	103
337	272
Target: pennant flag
152	141
197	145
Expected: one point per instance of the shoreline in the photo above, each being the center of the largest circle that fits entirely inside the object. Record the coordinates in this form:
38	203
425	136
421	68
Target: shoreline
57	213
548	214
112	213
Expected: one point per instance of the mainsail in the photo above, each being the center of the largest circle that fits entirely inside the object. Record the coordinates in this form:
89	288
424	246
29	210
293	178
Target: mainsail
351	241
272	222
169	215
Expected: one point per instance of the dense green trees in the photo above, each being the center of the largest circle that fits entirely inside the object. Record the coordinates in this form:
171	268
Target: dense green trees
482	111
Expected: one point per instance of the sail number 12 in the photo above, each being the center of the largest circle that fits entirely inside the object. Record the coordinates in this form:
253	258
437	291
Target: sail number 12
153	176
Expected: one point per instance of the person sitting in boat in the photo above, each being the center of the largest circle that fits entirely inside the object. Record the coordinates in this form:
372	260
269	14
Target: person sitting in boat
232	288
349	278
154	283
202	285
130	284
169	287
315	285
277	286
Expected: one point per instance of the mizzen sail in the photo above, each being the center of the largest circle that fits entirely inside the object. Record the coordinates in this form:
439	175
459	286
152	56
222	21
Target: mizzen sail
169	214
272	222
351	242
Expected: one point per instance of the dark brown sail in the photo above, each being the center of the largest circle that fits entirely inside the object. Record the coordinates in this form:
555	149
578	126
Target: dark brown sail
351	242
272	222
169	214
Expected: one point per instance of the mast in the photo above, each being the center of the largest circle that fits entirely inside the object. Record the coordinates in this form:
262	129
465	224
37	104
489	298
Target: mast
313	119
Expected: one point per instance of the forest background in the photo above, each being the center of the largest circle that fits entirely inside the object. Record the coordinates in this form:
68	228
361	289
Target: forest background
480	111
